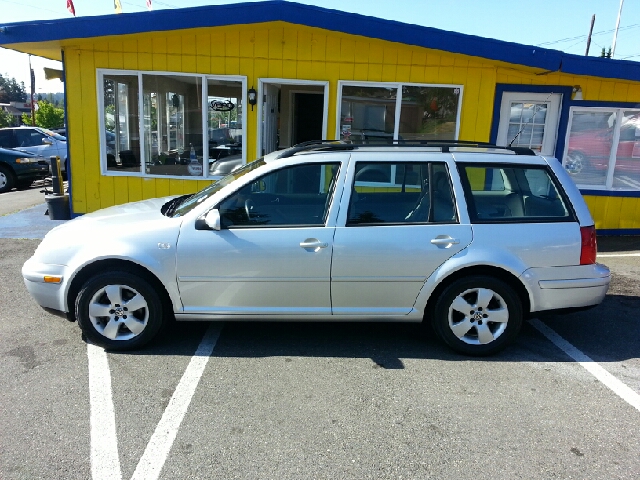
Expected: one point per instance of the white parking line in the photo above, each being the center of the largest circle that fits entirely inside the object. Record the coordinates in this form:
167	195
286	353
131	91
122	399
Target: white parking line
152	461
105	463
607	255
615	385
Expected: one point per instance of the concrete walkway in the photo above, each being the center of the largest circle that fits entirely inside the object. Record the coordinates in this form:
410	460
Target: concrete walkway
28	223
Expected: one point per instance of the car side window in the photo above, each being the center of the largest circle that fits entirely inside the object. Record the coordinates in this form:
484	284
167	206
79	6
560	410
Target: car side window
508	193
295	196
29	138
7	139
415	192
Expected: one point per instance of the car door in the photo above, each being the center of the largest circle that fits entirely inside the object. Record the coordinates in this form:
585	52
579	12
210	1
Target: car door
272	255
30	140
398	225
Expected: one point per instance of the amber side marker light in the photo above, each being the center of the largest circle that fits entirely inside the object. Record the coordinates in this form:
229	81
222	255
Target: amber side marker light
589	246
49	279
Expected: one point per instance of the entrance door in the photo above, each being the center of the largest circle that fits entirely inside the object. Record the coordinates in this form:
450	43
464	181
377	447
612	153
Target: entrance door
529	120
307	117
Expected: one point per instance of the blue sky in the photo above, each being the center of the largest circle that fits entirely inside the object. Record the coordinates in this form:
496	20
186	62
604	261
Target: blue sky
557	24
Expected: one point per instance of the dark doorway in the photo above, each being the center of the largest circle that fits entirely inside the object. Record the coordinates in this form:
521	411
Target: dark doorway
307	117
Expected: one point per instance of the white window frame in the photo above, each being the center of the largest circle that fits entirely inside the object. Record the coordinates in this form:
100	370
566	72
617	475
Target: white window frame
102	72
619	114
398	86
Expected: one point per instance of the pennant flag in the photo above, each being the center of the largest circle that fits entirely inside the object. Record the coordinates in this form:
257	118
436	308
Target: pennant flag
71	8
118	6
149	5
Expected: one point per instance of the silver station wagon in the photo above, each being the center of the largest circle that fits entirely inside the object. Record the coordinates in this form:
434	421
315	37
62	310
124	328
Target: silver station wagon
469	238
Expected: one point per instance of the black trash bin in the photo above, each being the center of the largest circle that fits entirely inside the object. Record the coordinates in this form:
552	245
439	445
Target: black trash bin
58	206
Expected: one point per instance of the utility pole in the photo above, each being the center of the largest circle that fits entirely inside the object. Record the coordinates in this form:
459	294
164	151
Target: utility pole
593	20
615	33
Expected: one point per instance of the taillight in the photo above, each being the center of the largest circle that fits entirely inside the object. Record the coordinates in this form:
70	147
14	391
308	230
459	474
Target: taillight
589	246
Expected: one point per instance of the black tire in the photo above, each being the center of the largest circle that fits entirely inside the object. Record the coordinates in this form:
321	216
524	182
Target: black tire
481	298
120	328
7	179
24	184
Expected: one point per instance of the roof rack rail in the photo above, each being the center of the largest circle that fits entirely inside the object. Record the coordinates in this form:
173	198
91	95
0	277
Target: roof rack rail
444	145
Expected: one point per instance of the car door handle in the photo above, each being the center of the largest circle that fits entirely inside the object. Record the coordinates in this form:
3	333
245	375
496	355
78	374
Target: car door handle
444	241
313	244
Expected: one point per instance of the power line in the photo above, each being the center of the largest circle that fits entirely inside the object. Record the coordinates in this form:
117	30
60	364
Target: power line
581	37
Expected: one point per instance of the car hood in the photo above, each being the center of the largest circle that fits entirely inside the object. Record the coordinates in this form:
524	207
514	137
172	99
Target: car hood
133	212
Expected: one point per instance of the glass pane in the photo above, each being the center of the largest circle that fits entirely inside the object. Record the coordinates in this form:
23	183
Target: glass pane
428	113
626	174
173	124
224	128
589	148
122	136
501	195
367	114
526	125
295	196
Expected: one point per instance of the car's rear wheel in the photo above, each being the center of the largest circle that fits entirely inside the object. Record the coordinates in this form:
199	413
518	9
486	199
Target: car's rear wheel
478	315
7	179
119	311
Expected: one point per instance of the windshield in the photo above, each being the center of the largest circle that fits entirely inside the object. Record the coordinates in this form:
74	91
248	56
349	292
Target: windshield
189	203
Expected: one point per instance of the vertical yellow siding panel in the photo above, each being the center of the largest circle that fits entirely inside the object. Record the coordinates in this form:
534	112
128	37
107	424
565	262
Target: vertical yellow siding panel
289	69
189	63
606	91
174	45
232	45
332	71
261	46
446	60
158	45
116	60
247	45
404	55
470	99
333	109
390	56
149	188
591	90
174	63
445	75
485	104
419	57
218	43
176	187
305	70
362	51
347	50
304	46
232	65
261	68
376	52
318	71
203	44
388	72
130	61
145	54
375	72
218	65
346	71
289	49
431	74
122	193
159	62
620	92
162	187
318	47
275	68
403	73
361	72
612	212
417	74
459	76
101	59
332	49
627	213
633	94
134	188
276	38
75	126
188	44
203	64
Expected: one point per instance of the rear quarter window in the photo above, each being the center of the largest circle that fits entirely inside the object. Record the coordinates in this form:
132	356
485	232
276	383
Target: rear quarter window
514	194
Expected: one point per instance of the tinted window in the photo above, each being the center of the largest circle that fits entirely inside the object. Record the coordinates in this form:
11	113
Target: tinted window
412	193
294	196
6	139
28	137
500	193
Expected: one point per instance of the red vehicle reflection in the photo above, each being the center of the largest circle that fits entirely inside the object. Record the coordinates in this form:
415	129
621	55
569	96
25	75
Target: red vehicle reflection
591	149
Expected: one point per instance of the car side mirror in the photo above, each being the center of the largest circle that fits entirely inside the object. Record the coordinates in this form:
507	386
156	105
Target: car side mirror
212	219
47	141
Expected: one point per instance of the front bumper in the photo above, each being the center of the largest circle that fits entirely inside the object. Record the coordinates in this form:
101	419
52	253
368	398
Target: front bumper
47	295
556	288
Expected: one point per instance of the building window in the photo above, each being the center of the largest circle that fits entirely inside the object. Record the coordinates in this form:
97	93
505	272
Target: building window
177	126
603	148
384	112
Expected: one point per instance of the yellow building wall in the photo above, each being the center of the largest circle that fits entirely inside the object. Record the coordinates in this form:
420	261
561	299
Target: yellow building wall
280	50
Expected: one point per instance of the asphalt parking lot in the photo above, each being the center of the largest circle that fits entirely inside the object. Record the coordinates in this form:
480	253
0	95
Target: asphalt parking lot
287	400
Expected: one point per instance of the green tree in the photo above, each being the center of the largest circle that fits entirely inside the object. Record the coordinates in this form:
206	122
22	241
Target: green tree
6	119
47	116
12	91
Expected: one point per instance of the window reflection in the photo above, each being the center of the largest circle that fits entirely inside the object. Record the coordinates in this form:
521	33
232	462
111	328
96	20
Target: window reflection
122	135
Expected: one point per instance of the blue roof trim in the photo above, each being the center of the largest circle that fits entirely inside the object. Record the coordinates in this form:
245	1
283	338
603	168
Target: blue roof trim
611	193
312	16
620	231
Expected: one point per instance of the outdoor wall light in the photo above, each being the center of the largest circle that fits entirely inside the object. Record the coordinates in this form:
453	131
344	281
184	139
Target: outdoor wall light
253	97
577	93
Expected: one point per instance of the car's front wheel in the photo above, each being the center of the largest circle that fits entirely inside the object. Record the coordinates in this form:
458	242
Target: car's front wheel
119	310
478	315
7	179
